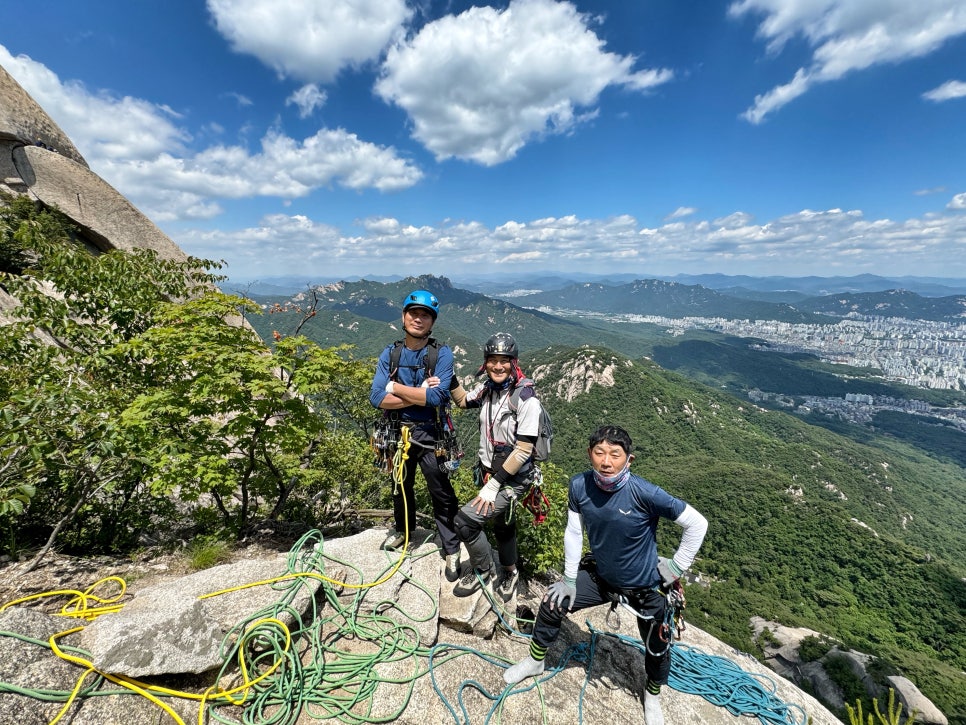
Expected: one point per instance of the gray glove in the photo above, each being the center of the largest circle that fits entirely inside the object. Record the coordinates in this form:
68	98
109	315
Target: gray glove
561	591
669	571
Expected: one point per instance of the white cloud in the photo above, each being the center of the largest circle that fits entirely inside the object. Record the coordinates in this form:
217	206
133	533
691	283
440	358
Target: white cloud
681	212
137	130
308	98
827	242
481	84
145	155
242	100
308	39
847	36
946	92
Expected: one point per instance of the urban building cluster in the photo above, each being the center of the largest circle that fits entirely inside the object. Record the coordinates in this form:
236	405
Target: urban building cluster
921	353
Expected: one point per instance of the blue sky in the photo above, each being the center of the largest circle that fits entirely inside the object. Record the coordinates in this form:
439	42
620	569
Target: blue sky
341	138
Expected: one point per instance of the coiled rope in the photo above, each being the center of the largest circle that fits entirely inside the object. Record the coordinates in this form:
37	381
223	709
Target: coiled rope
338	665
718	680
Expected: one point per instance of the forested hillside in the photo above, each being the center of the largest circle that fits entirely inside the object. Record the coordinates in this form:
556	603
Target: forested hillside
862	542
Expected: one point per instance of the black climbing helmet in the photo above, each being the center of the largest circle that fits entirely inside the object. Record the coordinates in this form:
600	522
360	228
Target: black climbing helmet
502	343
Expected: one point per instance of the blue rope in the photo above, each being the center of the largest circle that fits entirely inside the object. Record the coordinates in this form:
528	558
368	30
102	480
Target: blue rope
719	681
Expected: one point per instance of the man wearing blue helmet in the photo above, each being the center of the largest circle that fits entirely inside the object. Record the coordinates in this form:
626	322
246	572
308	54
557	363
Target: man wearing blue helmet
401	387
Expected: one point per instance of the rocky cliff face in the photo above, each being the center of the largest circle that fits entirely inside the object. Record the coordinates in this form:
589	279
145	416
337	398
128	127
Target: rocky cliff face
39	160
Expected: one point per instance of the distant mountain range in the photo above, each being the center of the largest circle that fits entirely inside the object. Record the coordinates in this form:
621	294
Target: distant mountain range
676	300
755	299
773	289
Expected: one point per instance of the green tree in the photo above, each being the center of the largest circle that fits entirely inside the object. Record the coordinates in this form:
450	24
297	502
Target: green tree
134	393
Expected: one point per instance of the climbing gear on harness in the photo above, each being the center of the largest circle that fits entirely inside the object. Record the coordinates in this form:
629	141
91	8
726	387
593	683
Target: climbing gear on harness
674	612
384	440
536	501
449	449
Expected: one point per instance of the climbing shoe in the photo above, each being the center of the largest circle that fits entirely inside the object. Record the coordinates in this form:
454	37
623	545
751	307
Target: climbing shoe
394	541
470	583
527	667
453	566
653	714
506	586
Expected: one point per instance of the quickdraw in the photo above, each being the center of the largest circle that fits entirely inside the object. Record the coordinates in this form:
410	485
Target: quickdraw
674	613
536	501
384	442
450	450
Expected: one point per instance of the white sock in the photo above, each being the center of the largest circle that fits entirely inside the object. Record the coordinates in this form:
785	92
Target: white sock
527	667
653	714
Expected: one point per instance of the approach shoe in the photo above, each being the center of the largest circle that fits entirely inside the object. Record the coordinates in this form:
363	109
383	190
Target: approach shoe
453	566
470	583
506	586
394	542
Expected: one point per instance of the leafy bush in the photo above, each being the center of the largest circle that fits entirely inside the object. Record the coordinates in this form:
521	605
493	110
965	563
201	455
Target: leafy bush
813	648
889	717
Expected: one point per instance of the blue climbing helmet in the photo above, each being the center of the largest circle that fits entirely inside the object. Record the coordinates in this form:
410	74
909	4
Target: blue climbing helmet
422	298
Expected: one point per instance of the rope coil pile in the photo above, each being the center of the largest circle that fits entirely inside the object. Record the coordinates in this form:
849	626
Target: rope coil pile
334	664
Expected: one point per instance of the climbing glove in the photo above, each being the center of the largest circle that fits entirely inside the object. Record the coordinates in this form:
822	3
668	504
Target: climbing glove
669	571
560	592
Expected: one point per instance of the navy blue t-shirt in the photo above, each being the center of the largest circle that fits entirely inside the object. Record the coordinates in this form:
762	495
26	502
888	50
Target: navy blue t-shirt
621	527
412	372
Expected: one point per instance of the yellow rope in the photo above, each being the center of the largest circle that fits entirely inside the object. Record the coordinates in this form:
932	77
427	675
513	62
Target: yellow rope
400	457
79	605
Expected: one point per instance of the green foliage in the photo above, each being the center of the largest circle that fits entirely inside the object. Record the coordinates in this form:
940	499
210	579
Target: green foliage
939	438
889	717
16	215
133	394
813	648
63	389
838	669
541	545
205	552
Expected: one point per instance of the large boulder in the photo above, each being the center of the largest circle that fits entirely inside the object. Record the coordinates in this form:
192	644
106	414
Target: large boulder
39	160
24	121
